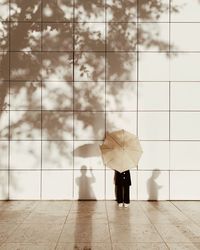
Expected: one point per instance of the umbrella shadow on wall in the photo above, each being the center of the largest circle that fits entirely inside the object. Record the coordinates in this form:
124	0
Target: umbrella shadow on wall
152	186
87	150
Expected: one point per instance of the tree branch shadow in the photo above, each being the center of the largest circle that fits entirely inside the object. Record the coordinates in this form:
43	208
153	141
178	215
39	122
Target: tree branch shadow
43	53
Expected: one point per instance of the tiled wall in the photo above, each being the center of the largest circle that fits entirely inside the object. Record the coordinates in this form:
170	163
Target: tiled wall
72	69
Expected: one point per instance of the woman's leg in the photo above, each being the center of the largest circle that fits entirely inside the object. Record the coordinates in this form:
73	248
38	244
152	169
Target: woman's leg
119	193
126	194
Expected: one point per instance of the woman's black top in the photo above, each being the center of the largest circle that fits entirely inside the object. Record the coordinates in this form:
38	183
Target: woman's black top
123	178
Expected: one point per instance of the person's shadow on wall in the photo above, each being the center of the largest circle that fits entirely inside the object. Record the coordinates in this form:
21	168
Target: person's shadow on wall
84	183
152	185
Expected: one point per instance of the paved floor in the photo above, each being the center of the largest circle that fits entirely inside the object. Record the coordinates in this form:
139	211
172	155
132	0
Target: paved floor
42	225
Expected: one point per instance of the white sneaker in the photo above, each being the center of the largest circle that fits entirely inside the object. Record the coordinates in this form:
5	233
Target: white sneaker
120	204
126	205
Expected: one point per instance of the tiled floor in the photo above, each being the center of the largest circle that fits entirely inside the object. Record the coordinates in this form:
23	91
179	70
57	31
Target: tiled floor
67	225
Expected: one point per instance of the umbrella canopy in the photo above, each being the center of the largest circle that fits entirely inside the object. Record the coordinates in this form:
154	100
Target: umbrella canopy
121	150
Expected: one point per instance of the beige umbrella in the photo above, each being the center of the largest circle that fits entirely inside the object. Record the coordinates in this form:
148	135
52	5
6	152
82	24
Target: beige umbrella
121	150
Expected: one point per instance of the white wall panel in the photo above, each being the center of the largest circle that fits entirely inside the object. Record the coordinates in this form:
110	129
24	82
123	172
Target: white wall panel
185	155
4	10
134	185
153	96
57	95
4	86
4	121
186	11
53	65
24	185
57	125
185	125
57	185
93	64
182	42
185	96
25	155
89	125
4	66
61	32
121	96
89	96
115	33
82	14
4	153
25	95
184	185
121	120
110	185
160	14
155	155
57	155
159	34
149	63
181	69
127	13
121	66
153	125
25	126
4	185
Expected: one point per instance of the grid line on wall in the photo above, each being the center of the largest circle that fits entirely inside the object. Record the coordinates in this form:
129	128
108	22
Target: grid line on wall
105	93
41	168
112	111
169	98
137	107
9	133
165	22
98	140
73	102
108	51
156	81
98	169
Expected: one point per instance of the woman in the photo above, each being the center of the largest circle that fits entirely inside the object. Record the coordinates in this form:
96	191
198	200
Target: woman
123	183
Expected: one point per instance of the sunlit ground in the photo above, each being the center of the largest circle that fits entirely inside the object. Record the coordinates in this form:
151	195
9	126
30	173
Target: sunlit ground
97	225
